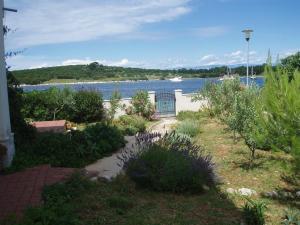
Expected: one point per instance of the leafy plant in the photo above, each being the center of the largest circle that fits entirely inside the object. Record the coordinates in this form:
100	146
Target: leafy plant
280	109
188	127
254	212
131	124
88	106
114	104
184	115
141	105
292	217
171	163
75	149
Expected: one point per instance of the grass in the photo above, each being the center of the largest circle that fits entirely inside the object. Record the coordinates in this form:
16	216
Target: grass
232	163
122	203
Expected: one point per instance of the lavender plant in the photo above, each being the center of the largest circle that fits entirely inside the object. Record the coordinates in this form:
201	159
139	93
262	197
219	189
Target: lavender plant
169	163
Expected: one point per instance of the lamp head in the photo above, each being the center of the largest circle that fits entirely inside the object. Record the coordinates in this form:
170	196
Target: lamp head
247	33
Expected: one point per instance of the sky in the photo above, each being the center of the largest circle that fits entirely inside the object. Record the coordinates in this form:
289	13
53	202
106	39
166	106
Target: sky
149	33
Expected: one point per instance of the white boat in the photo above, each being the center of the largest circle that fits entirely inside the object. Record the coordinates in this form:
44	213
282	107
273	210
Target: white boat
226	77
176	79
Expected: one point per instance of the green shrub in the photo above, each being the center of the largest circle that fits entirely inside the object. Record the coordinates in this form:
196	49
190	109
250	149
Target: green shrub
54	103
171	164
188	127
75	149
59	207
184	115
254	212
132	124
88	107
292	217
141	105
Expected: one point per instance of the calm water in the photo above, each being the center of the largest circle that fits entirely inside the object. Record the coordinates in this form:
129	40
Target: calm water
128	89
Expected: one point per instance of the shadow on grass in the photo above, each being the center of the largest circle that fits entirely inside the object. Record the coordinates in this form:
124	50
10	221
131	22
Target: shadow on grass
120	202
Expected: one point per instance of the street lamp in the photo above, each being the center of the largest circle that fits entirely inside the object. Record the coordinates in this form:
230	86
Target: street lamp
6	136
247	33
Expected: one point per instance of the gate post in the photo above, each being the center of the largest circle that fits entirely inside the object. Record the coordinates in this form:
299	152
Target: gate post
178	102
152	97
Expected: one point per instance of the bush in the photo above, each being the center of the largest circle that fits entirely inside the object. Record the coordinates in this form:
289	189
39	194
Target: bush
75	149
141	105
59	207
254	212
188	127
54	103
88	107
131	124
292	217
171	164
183	115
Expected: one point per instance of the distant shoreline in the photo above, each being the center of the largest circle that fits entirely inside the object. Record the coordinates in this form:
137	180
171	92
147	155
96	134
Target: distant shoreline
115	81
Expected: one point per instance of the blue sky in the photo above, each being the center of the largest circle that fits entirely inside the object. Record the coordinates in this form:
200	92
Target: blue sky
149	33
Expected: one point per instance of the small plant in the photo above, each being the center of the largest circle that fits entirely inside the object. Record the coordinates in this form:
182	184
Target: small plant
131	124
141	105
254	212
292	217
114	104
184	115
188	127
170	163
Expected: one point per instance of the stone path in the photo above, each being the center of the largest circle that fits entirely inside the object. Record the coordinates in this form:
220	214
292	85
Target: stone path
23	189
109	167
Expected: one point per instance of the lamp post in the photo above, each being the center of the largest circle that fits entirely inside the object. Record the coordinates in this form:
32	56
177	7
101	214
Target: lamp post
6	136
247	33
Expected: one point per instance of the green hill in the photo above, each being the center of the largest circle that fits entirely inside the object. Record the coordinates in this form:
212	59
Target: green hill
98	72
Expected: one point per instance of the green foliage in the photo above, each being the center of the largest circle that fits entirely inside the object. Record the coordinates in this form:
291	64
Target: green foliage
183	115
114	104
291	63
75	149
220	97
88	107
131	124
188	127
141	105
23	132
254	212
95	71
292	217
172	164
58	208
280	109
54	103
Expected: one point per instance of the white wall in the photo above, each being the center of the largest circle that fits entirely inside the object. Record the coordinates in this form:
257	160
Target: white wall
183	103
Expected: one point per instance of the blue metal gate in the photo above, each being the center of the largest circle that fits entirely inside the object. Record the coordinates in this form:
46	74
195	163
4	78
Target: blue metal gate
165	104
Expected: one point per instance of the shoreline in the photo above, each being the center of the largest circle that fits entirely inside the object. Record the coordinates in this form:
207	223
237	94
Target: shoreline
114	81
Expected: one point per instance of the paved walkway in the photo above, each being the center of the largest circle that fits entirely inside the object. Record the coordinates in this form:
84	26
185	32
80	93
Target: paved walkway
109	167
23	189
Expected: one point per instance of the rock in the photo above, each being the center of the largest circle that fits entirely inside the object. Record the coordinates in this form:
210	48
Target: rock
246	192
230	191
274	194
94	179
298	194
205	188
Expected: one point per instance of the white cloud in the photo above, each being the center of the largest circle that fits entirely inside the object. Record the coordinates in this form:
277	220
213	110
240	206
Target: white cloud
207	32
231	58
56	21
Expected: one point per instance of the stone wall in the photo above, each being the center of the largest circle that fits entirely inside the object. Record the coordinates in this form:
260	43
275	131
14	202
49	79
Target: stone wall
183	103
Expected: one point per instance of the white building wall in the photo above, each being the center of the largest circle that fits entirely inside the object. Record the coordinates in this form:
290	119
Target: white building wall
183	103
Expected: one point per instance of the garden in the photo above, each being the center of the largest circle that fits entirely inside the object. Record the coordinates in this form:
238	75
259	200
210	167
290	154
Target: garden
234	162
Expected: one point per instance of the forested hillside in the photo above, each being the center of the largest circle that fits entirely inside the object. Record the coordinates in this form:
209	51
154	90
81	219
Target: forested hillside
95	71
